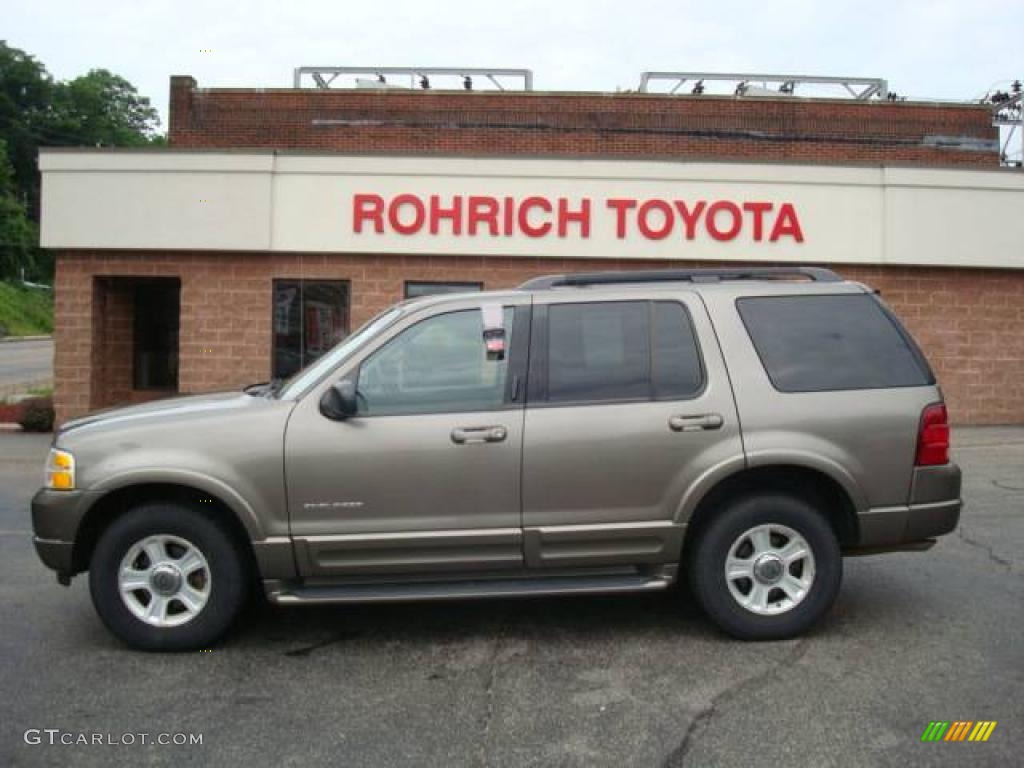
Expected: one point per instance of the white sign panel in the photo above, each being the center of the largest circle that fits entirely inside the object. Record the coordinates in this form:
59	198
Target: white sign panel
530	207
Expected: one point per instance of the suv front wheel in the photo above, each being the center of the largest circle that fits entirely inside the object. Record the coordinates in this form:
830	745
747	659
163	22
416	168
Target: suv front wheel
165	577
767	567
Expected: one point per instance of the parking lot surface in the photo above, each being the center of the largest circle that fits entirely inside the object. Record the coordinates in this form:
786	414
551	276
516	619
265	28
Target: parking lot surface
642	681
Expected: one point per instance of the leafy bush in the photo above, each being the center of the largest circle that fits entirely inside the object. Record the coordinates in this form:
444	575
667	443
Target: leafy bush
37	415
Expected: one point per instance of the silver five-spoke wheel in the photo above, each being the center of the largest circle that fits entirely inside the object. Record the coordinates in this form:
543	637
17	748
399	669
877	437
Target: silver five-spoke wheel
164	580
769	569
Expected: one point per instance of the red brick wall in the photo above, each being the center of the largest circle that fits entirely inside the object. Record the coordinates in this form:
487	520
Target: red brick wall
113	313
968	321
578	124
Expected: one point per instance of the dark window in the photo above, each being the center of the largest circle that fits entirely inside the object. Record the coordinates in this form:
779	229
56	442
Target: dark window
439	365
820	343
419	288
676	366
603	351
156	315
310	317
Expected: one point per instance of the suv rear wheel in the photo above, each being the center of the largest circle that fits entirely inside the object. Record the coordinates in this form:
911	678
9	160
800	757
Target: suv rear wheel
767	567
166	577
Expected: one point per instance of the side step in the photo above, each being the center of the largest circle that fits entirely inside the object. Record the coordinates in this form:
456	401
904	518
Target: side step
285	594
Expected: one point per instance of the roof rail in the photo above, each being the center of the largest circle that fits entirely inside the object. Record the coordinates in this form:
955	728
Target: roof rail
816	274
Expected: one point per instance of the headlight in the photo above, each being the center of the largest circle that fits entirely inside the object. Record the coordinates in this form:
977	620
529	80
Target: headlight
60	470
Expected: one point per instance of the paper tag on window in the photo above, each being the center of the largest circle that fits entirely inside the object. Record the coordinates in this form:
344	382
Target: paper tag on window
493	316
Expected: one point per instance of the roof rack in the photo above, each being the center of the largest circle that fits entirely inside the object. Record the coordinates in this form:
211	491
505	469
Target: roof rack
815	274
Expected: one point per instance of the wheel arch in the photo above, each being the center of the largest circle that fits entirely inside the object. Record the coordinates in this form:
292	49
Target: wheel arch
812	484
116	501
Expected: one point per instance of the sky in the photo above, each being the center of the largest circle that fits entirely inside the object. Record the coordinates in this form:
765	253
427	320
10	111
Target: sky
929	50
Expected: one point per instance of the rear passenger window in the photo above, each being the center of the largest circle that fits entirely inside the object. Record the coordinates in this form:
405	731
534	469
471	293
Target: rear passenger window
823	343
628	350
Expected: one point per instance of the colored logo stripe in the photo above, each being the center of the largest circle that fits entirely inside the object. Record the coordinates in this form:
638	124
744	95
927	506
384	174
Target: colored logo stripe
982	730
958	730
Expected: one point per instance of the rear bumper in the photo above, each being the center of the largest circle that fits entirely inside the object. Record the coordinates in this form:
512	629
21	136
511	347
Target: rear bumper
934	510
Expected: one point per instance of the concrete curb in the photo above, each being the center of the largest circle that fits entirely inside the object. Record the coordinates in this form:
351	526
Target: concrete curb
15	339
10	426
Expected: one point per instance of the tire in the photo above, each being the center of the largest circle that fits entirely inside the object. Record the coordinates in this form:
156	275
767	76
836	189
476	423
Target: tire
188	563
785	593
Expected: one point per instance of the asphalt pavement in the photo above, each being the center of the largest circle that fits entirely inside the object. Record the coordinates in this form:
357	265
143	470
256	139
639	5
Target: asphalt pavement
24	364
629	681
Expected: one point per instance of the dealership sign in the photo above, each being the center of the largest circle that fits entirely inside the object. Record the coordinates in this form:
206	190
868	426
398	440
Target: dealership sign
536	208
538	216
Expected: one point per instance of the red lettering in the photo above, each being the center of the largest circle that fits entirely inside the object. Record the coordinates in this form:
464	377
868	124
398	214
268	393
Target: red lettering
620	206
368	208
532	230
712	223
759	210
419	214
787	224
581	217
510	208
482	210
690	218
644	224
454	214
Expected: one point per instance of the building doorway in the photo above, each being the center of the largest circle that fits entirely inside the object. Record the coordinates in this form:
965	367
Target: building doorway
136	326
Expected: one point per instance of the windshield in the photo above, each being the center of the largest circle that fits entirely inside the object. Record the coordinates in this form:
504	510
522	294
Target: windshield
301	382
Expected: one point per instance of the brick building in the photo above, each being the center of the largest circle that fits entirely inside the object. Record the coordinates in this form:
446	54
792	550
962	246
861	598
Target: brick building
279	220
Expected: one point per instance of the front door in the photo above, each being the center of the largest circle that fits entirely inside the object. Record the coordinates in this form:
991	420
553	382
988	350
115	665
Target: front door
629	404
426	476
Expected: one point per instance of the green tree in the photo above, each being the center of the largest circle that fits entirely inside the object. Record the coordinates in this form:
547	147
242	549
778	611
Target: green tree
18	235
101	109
26	96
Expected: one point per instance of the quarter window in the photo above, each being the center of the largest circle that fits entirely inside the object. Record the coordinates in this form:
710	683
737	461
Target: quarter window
439	365
822	343
629	350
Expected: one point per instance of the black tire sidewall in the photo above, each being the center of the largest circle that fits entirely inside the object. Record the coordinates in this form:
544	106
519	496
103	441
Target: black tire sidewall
227	576
707	571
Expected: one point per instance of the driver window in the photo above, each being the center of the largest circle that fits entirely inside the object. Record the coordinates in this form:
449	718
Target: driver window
439	365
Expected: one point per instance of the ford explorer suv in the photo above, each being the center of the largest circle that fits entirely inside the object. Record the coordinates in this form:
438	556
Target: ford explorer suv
741	429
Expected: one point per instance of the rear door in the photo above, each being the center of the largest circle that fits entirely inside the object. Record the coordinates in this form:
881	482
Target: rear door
628	405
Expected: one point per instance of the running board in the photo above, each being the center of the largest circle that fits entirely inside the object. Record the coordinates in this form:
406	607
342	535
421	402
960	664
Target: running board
285	594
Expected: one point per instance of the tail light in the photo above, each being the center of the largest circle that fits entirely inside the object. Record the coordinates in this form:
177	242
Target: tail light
933	436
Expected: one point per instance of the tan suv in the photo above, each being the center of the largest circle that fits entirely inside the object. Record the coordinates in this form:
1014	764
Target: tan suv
587	433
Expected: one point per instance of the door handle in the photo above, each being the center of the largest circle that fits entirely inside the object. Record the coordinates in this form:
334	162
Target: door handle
474	435
696	423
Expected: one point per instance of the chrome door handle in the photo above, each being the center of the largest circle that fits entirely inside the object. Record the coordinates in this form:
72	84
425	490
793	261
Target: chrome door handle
474	435
696	423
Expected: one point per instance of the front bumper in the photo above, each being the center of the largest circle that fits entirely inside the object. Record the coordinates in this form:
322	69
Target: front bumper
934	510
56	516
58	555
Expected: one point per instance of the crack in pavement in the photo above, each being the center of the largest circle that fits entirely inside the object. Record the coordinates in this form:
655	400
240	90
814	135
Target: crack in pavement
1005	486
984	548
677	757
306	650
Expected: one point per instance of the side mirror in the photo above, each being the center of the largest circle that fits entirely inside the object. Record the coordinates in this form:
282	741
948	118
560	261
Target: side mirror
339	401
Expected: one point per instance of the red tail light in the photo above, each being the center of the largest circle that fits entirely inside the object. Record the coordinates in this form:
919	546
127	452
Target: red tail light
933	436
